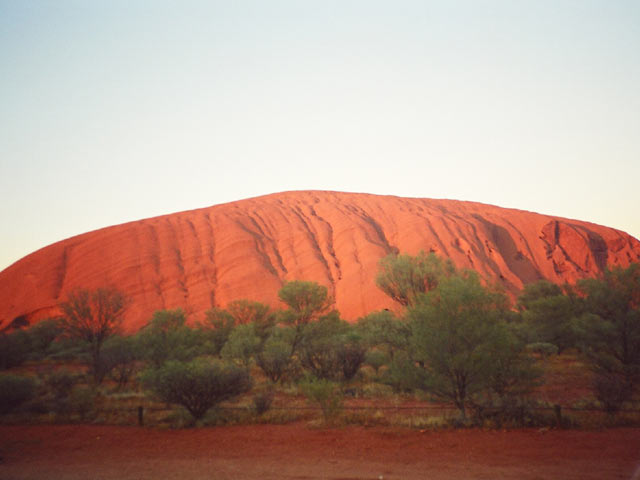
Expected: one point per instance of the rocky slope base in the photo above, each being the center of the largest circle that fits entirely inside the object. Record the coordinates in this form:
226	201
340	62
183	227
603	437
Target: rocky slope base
247	249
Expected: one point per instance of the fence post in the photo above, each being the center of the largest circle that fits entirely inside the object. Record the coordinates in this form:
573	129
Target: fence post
558	411
141	415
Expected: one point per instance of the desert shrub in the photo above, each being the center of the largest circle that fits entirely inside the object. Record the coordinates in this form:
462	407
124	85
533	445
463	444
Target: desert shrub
404	277
262	401
463	345
42	335
197	385
168	337
82	402
325	394
548	314
329	348
215	330
59	387
319	345
513	374
14	349
260	315
307	302
610	331
383	331
66	349
242	345
119	358
376	360
275	357
93	316
14	391
351	355
611	391
402	375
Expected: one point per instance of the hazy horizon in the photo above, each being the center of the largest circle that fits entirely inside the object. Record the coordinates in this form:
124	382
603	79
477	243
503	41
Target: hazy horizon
119	111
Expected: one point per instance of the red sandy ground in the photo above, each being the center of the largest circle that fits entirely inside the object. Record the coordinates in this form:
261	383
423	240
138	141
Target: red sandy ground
298	452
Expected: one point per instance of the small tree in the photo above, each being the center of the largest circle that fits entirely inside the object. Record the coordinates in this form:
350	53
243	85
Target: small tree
275	357
611	390
93	316
259	314
325	394
384	331
549	315
14	349
376	359
319	347
404	278
119	357
610	333
42	335
513	374
457	336
307	302
351	355
215	329
197	385
242	345
403	375
167	337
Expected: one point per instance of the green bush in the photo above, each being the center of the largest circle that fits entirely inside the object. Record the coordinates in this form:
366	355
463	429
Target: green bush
376	359
351	355
14	391
463	345
168	337
42	335
215	330
242	345
403	375
325	394
611	391
119	358
262	401
14	349
82	402
275	357
329	348
197	385
548	314
384	331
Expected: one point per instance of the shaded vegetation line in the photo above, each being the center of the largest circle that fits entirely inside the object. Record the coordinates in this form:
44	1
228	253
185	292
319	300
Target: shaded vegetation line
455	346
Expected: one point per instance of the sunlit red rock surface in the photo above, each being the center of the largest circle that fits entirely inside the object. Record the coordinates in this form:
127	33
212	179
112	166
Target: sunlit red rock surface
247	249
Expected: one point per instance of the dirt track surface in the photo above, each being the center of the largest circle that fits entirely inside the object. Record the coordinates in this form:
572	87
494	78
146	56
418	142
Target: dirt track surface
298	452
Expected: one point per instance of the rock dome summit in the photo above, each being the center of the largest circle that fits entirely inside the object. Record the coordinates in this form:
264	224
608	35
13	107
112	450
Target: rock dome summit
246	249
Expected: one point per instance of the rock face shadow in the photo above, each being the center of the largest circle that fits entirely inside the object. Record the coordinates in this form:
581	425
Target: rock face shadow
521	266
571	246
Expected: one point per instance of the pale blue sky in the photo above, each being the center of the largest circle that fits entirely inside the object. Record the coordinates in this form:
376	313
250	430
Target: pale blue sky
114	111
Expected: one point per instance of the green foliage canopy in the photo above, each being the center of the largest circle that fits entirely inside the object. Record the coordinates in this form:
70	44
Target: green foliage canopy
610	332
549	315
197	385
462	343
405	277
168	337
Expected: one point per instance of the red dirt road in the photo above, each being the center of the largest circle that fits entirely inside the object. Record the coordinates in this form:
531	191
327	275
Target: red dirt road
297	452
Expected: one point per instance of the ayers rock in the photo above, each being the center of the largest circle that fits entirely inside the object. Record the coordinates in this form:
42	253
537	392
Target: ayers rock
247	249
